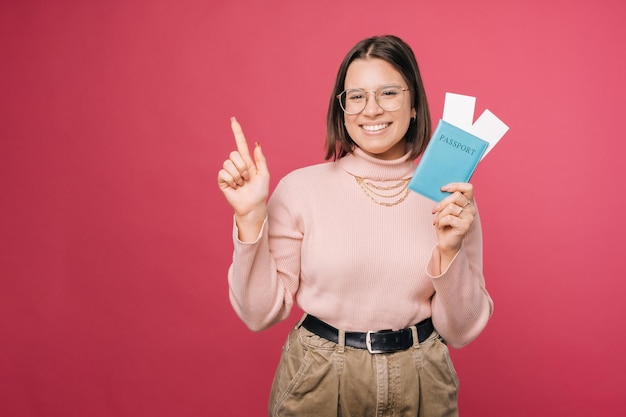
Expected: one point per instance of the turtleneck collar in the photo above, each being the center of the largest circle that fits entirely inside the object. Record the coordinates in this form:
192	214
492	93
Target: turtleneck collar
363	165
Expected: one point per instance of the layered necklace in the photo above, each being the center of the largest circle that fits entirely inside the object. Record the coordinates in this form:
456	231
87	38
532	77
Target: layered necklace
387	196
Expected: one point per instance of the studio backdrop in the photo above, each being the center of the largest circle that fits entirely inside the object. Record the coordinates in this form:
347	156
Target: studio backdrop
115	240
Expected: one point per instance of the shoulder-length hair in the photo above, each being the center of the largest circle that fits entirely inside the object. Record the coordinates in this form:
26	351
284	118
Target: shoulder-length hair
400	55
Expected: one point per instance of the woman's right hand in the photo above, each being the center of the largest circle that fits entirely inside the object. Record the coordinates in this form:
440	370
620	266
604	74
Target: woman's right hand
245	184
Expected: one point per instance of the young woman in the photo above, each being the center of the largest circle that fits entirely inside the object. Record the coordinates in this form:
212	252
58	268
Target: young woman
386	277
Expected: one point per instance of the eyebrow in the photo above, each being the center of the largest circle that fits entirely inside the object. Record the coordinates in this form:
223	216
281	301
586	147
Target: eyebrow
379	88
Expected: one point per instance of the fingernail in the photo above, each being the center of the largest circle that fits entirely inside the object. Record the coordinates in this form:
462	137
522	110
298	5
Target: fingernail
257	144
232	119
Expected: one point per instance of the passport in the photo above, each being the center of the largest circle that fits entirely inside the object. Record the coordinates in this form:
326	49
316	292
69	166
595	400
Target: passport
451	156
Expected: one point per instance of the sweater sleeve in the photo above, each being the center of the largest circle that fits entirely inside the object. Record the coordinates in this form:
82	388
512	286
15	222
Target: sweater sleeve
263	276
461	305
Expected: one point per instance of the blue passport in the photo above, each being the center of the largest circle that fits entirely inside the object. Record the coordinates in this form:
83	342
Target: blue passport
451	156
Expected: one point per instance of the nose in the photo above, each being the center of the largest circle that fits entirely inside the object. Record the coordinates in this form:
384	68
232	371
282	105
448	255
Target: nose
371	105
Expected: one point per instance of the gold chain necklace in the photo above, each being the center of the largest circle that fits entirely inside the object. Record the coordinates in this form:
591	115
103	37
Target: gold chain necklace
371	190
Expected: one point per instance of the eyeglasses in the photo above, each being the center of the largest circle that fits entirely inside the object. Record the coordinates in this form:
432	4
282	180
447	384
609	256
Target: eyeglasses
354	100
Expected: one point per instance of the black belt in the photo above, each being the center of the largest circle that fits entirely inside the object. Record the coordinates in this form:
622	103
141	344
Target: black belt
384	341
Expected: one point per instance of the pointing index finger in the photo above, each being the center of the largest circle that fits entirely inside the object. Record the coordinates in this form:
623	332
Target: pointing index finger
240	140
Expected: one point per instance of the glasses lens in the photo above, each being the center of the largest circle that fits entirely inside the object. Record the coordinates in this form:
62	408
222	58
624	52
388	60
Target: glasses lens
390	98
353	101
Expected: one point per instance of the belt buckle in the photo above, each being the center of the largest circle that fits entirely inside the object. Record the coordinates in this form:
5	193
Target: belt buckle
368	343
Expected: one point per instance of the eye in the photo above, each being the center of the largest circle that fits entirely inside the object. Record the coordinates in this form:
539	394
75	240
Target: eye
390	92
355	95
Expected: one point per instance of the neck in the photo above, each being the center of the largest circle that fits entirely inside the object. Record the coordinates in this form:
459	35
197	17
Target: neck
358	163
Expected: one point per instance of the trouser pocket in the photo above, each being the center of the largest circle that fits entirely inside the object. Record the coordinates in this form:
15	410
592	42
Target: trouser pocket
301	384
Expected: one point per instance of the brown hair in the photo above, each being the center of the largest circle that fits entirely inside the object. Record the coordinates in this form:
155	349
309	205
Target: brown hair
396	52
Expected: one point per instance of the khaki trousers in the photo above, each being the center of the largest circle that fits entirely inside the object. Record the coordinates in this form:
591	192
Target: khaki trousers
318	378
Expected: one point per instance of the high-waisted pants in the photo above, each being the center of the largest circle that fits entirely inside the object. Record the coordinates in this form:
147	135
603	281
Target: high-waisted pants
318	378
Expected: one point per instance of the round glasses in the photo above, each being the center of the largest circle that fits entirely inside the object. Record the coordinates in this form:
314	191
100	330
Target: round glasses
354	100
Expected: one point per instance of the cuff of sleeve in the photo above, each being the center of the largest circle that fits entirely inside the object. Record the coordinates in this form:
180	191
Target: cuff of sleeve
433	269
236	233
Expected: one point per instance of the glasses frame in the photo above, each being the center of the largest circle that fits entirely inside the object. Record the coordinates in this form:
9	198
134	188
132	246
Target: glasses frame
375	92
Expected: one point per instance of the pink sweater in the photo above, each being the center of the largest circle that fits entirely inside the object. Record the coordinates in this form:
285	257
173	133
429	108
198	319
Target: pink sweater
355	264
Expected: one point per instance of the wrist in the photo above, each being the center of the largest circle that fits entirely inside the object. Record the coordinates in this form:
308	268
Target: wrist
446	256
249	225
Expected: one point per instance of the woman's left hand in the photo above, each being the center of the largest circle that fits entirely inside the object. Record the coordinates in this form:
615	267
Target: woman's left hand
453	217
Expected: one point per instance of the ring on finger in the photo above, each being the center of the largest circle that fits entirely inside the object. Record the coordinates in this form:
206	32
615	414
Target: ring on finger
467	203
459	215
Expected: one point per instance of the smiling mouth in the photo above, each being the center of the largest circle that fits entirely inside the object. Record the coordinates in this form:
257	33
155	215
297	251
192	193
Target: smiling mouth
375	128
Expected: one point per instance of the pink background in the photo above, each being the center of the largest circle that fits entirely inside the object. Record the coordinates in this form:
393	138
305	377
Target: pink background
115	239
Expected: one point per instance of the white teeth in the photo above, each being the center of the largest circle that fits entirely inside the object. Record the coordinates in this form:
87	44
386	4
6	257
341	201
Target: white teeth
375	128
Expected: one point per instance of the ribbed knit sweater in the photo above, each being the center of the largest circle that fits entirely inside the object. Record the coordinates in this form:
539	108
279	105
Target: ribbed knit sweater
355	264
